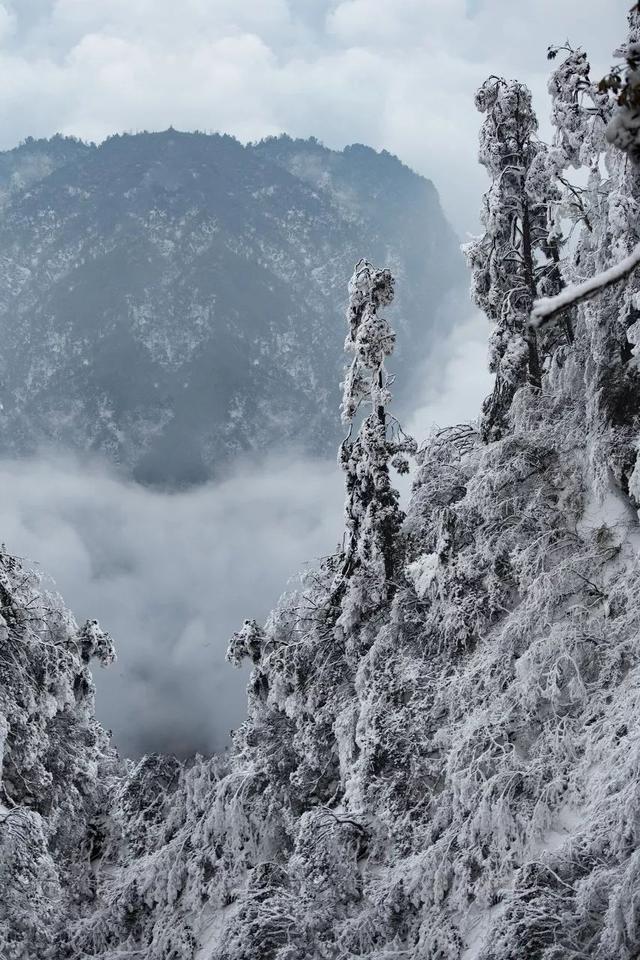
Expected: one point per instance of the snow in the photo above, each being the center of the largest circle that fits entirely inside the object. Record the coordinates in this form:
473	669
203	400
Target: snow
547	307
612	510
422	572
478	926
566	822
210	930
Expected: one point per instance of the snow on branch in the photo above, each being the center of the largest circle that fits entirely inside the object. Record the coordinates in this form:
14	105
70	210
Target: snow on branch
547	307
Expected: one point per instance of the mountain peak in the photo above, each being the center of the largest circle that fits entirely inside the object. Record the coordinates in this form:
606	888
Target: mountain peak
172	299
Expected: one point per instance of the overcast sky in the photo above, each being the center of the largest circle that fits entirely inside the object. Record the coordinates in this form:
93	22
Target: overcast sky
398	74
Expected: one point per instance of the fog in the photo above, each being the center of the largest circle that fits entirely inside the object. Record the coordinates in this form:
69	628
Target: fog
454	382
170	576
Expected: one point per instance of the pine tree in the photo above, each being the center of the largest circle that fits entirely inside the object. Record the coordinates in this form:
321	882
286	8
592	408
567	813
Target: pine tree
587	124
580	113
517	249
624	129
372	511
597	132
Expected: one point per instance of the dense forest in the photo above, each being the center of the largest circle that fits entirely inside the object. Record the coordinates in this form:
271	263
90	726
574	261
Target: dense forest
441	754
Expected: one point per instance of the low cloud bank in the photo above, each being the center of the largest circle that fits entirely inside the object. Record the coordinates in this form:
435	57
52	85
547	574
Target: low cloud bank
170	576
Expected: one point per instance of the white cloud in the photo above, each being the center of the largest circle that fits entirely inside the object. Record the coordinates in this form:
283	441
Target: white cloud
398	74
170	576
454	391
7	23
405	23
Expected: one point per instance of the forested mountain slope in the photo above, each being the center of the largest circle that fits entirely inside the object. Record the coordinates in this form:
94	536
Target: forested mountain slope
440	757
175	299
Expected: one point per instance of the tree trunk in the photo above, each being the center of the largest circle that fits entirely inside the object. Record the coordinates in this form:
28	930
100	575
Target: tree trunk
535	377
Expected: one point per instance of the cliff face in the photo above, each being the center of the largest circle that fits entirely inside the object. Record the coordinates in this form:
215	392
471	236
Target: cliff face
175	299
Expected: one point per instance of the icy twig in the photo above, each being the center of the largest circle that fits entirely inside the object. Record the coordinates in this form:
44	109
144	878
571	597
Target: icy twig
547	307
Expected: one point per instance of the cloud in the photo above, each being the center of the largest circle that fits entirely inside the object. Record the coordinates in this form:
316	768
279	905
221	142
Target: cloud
7	24
454	391
399	75
170	576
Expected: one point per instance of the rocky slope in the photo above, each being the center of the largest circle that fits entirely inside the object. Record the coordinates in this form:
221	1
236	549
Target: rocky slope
175	299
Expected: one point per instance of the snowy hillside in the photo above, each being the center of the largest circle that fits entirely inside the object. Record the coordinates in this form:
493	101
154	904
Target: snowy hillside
173	300
441	752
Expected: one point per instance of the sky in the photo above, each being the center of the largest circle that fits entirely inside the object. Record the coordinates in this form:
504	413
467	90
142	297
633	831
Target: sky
395	74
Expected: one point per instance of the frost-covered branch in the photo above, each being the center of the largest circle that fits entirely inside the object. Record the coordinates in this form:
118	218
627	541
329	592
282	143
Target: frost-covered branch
548	307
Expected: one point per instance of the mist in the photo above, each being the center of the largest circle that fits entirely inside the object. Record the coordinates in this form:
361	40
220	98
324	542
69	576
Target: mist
454	382
171	575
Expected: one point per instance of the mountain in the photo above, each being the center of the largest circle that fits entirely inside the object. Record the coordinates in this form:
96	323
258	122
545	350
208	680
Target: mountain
173	299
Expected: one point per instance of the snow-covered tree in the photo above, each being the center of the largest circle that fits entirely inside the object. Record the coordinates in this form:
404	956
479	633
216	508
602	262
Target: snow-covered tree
56	764
517	250
372	511
624	128
580	113
601	275
586	121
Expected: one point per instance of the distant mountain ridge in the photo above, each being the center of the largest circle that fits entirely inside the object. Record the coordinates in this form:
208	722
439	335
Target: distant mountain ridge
175	299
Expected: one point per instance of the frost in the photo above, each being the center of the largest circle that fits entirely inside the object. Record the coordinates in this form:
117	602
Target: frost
422	572
548	306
